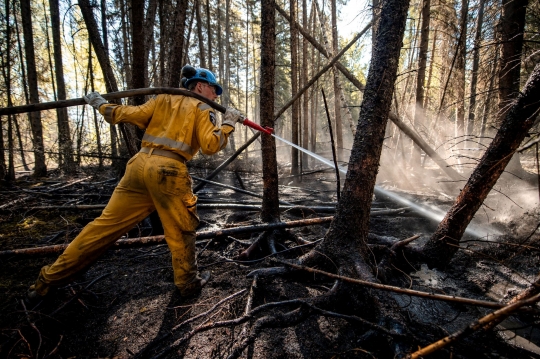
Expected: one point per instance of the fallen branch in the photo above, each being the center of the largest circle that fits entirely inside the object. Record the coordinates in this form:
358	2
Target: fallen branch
144	241
497	315
249	193
415	293
246	207
68	185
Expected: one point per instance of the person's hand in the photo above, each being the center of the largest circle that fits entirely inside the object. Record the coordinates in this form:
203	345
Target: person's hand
94	99
232	116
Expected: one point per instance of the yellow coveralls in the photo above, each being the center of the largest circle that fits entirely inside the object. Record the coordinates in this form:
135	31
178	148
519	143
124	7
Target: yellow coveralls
181	125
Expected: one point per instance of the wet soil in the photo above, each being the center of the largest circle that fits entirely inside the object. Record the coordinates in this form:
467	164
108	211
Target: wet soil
124	303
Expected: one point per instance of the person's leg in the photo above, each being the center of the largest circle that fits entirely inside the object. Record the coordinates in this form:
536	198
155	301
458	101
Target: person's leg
129	204
169	184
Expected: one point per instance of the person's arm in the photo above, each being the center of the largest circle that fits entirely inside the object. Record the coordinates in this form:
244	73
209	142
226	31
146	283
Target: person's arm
211	137
113	114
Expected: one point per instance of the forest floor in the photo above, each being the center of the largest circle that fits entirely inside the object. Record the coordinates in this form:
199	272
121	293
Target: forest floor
127	301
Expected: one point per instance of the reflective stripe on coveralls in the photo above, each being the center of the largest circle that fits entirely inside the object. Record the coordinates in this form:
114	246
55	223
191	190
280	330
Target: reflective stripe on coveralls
176	123
159	183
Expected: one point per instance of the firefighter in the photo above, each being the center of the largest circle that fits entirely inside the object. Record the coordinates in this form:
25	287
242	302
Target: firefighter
156	178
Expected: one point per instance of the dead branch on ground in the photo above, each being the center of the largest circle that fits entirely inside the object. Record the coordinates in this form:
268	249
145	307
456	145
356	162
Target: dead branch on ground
497	315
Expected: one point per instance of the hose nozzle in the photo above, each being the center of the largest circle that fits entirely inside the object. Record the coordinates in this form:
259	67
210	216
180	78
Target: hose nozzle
266	129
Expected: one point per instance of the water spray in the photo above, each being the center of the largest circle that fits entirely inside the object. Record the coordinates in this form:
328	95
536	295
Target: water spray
432	213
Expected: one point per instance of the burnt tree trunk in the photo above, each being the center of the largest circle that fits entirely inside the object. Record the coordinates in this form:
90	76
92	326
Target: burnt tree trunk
444	243
40	168
177	34
512	25
345	243
460	73
270	204
294	89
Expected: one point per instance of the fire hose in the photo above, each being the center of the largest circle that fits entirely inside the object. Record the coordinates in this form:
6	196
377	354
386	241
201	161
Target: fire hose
128	93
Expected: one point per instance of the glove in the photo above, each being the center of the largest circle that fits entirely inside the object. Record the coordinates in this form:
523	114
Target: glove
232	116
94	99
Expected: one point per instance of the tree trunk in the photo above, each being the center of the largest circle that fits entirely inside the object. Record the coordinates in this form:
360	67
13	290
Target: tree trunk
337	85
23	78
185	57
294	88
40	168
475	68
94	113
5	171
64	134
177	34
345	243
270	204
139	66
219	40
202	52
487	103
460	73
444	243
105	64
209	34
305	73
512	24
419	114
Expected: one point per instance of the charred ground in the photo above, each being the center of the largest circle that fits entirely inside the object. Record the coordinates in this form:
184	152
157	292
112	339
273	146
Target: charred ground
126	304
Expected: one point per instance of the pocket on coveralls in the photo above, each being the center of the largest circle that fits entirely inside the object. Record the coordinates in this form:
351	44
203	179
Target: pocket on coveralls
173	180
176	181
190	201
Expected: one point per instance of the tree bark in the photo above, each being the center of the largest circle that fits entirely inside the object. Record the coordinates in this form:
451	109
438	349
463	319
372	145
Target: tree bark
7	172
304	79
294	88
345	243
177	34
460	73
209	34
202	52
419	114
475	68
444	243
512	25
270	205
64	134
337	85
40	168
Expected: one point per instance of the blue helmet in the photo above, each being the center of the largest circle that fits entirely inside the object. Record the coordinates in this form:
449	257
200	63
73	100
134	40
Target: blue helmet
190	74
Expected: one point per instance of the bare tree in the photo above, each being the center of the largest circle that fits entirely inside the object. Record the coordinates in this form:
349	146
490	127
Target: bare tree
270	204
419	114
295	110
511	24
67	164
475	68
345	242
202	52
40	168
177	34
